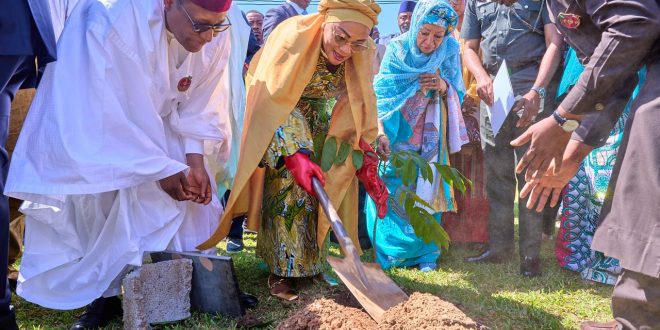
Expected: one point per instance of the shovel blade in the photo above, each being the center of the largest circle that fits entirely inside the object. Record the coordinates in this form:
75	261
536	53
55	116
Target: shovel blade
382	293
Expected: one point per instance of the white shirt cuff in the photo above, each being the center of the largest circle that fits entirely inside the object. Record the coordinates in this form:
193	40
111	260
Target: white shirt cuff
193	146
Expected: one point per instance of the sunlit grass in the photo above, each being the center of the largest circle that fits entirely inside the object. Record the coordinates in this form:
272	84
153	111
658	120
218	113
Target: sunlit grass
495	295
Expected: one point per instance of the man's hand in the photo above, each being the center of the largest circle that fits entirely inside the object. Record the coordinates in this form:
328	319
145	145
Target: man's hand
539	190
548	142
485	89
552	184
530	104
176	186
200	184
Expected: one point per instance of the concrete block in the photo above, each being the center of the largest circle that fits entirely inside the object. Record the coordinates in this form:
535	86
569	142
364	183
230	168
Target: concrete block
156	293
214	285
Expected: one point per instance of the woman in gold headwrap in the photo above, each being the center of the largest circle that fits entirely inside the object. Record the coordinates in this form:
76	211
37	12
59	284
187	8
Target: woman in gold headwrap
312	78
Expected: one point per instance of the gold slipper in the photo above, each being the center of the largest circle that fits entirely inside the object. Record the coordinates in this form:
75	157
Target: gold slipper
280	287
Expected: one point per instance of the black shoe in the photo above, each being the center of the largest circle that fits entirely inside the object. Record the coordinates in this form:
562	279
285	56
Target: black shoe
8	321
99	313
489	256
12	285
249	301
234	245
530	267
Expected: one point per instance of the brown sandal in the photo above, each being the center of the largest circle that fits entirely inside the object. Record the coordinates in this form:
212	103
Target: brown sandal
280	287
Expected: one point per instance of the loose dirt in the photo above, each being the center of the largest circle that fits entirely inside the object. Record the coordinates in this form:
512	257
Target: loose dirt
426	311
421	311
326	314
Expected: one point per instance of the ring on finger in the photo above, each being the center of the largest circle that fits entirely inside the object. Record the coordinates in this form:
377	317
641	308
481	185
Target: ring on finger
433	80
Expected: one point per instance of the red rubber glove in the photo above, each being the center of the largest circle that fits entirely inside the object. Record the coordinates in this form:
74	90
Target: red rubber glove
373	184
303	169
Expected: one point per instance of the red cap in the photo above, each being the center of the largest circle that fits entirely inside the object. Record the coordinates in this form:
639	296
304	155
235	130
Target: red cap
218	6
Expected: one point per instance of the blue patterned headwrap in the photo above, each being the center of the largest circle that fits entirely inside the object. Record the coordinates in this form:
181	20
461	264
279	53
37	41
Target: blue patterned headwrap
398	79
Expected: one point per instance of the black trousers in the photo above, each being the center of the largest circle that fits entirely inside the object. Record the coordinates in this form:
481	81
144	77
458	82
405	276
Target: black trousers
14	70
502	183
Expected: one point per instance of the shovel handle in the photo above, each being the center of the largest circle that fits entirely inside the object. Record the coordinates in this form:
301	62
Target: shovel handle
335	222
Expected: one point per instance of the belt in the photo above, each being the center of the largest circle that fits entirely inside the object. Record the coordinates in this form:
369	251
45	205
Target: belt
513	67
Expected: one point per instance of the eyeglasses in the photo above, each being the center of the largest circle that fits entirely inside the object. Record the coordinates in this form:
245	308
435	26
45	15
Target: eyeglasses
201	28
342	40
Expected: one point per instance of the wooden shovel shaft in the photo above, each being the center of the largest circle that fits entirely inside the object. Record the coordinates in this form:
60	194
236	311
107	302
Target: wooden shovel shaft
345	242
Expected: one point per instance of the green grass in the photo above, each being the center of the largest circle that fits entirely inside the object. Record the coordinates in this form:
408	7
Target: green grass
495	295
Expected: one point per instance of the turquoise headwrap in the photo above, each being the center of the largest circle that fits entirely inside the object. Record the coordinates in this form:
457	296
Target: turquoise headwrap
398	79
441	15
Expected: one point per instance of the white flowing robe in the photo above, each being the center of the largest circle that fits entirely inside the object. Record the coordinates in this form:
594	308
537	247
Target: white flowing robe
107	123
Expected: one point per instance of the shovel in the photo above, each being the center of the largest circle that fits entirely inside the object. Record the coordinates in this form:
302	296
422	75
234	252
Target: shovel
375	291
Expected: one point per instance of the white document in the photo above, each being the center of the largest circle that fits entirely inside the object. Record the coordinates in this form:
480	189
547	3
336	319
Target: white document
503	99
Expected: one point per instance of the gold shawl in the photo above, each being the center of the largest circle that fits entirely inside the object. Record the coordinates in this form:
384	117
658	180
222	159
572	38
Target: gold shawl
277	77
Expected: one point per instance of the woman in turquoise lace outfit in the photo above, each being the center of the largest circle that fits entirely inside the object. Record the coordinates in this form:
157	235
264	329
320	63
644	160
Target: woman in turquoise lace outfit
419	90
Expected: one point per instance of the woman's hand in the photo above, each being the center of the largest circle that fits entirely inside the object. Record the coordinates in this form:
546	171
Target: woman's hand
373	184
303	170
383	147
431	81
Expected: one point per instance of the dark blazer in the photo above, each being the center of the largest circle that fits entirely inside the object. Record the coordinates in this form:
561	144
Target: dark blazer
26	29
275	16
629	227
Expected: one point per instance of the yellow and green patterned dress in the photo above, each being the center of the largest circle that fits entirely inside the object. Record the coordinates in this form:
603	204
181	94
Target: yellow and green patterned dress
287	237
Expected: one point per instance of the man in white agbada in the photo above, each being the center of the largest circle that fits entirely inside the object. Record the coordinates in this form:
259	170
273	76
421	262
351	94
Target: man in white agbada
111	159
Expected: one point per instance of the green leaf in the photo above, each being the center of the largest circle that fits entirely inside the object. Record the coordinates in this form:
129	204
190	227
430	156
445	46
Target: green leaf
403	196
458	181
344	150
358	159
319	140
465	179
329	154
445	173
410	172
424	168
409	205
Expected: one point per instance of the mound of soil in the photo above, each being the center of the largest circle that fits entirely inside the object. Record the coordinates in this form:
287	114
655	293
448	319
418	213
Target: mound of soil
426	311
421	311
326	314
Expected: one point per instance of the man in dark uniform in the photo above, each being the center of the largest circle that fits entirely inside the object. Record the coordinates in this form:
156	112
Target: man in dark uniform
524	36
26	34
613	39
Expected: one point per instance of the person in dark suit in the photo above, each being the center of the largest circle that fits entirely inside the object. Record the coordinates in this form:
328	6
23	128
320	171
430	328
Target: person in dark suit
26	35
277	15
614	39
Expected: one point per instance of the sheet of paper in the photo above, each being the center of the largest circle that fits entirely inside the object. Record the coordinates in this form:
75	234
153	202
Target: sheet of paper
503	98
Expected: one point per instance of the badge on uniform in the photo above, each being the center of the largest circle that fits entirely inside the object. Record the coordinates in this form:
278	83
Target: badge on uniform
569	21
184	84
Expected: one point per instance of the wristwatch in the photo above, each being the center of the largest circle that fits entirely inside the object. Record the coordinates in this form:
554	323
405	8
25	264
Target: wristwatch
540	91
568	125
